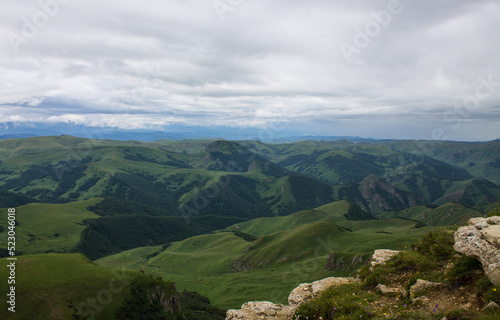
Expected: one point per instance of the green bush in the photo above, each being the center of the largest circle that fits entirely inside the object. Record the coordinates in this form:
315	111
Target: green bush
350	301
494	212
437	244
492	294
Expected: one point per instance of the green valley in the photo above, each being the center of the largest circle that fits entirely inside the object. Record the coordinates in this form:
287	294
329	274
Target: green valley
226	221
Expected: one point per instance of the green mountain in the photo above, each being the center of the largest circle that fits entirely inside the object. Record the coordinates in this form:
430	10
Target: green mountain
390	175
74	227
222	179
247	179
234	221
479	159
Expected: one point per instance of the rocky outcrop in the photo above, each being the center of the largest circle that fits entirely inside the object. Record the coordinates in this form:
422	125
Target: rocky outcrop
337	262
481	240
422	285
265	310
382	196
261	310
169	303
307	291
385	290
382	256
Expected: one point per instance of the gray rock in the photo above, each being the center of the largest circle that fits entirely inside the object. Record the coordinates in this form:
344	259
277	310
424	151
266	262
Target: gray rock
265	310
260	310
480	240
307	291
491	306
422	285
382	256
385	290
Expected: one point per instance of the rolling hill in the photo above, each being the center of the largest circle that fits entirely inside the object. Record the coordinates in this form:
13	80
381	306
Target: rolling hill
289	250
68	286
227	219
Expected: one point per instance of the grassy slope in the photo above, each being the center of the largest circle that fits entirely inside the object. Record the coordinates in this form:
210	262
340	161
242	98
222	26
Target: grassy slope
422	171
46	283
480	159
447	214
40	223
165	175
279	261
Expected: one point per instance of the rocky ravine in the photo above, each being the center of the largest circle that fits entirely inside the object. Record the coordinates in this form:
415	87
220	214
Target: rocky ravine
481	240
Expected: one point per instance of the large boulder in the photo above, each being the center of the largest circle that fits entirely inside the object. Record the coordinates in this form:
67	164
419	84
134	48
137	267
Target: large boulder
481	240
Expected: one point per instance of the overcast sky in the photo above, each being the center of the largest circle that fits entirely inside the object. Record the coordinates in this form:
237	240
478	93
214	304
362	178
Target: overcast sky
381	69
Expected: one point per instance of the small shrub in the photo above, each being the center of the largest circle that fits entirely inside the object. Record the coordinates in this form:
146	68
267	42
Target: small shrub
437	244
492	294
490	315
346	301
494	212
412	261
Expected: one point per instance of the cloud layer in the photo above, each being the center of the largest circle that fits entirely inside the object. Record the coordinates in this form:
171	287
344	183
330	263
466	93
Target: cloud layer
383	69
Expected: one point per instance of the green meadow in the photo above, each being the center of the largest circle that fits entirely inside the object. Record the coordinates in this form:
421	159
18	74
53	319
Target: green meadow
49	227
289	250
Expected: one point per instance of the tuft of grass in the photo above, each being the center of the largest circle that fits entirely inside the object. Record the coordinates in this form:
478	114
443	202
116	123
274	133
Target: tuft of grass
438	244
427	255
348	301
494	212
492	293
464	271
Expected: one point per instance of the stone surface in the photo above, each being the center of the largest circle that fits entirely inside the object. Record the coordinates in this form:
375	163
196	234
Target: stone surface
265	310
260	310
478	240
491	306
382	256
422	285
385	290
492	235
306	291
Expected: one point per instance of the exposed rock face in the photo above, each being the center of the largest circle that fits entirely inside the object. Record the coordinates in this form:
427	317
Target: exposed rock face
481	240
336	262
382	256
168	303
265	310
381	196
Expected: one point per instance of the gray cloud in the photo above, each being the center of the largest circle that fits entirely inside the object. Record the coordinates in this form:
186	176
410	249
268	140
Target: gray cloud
155	63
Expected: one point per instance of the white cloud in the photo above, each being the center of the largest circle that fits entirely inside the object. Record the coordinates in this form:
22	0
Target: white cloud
147	64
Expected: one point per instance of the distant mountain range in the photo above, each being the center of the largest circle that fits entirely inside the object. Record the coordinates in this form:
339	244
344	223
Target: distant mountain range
9	130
